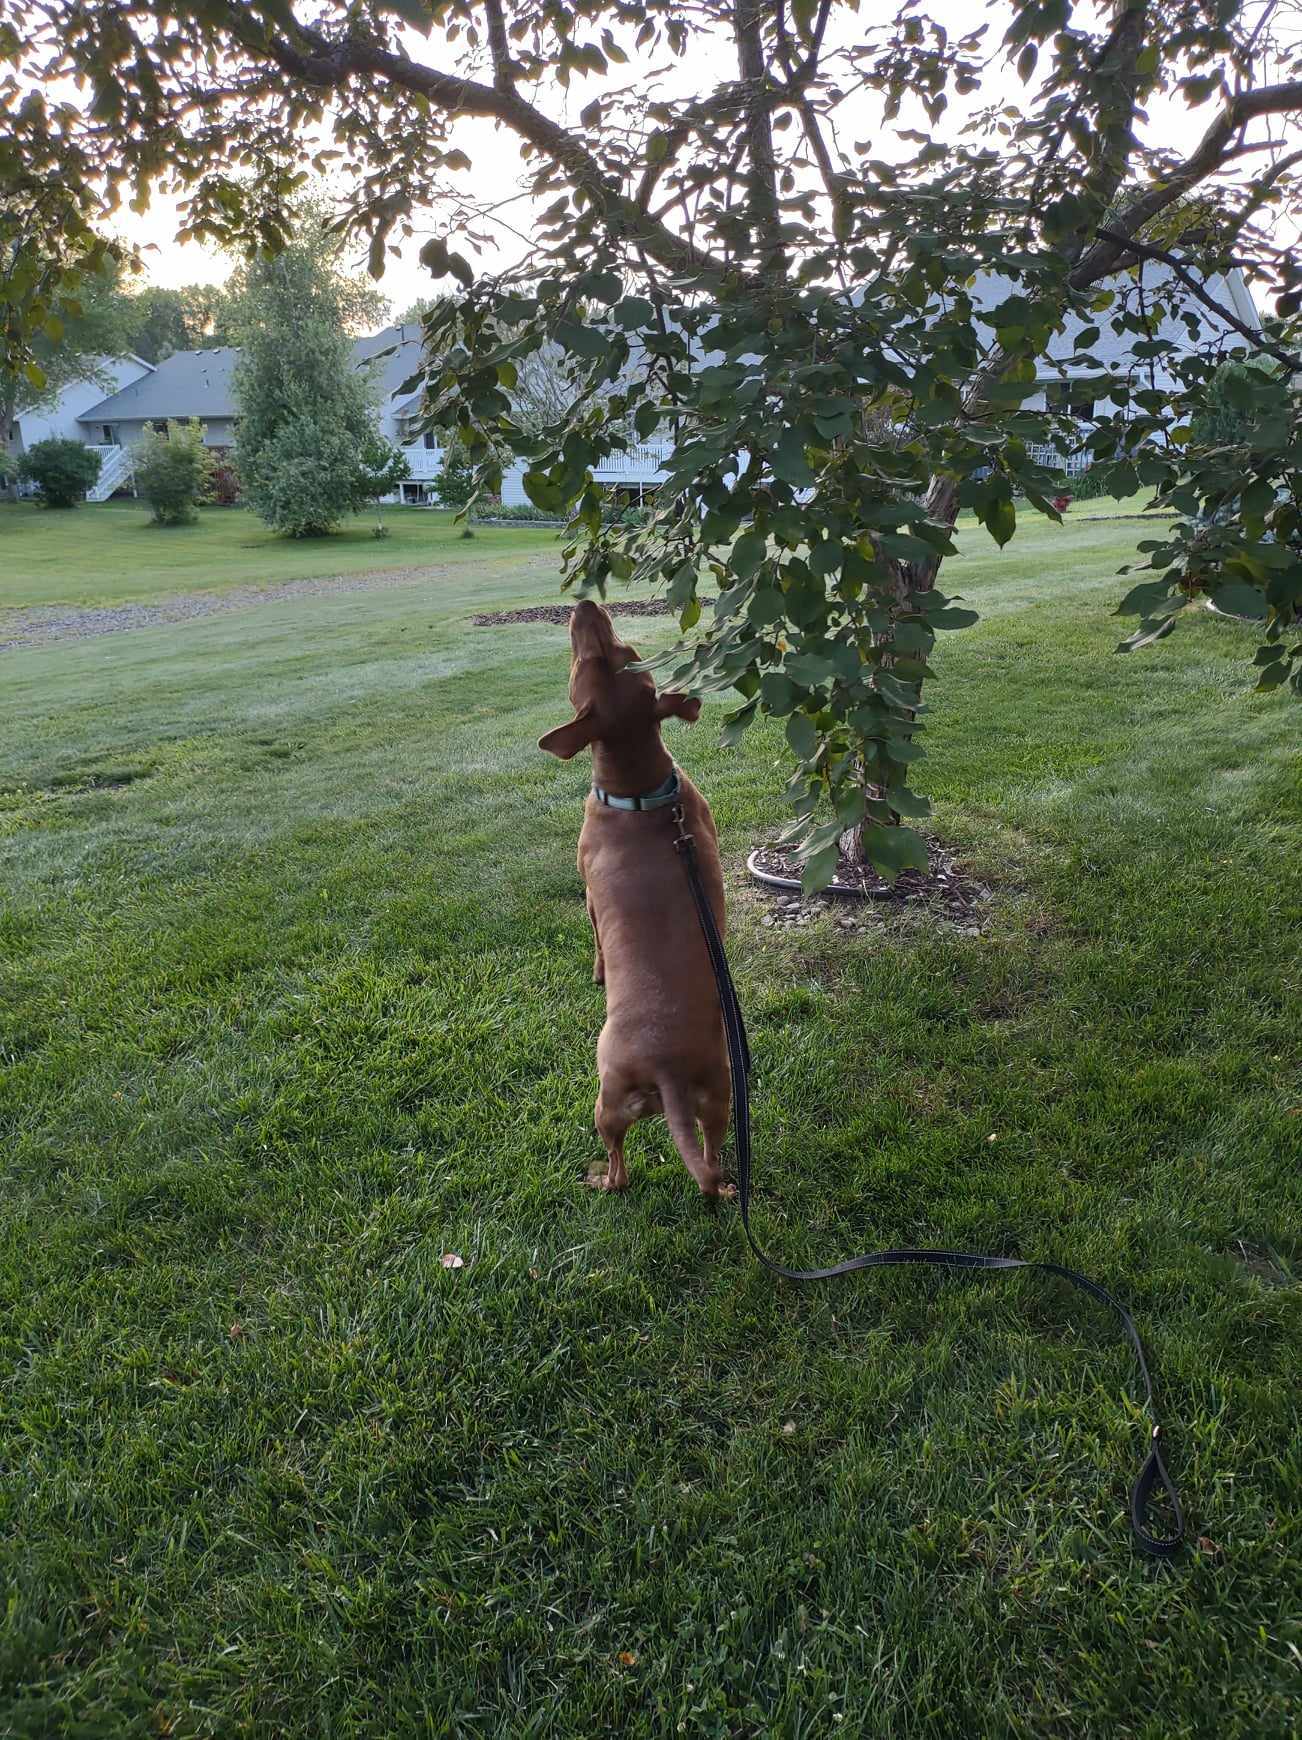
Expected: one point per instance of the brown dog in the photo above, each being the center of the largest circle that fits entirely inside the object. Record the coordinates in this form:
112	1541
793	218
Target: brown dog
662	1048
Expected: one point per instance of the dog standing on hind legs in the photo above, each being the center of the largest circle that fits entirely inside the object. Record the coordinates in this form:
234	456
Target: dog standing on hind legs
662	1050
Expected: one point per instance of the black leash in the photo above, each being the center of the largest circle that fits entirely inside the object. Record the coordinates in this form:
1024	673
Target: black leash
1154	1469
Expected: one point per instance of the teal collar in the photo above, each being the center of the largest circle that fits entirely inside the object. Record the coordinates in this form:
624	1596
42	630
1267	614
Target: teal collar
648	800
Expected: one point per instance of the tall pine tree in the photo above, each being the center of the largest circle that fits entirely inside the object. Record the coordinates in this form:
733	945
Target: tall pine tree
308	446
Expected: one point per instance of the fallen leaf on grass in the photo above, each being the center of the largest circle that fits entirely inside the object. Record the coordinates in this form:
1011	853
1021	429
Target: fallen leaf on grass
1209	1547
237	1331
451	1260
789	1430
627	1658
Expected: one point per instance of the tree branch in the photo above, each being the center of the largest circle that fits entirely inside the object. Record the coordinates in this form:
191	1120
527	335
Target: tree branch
765	216
503	67
330	65
1215	148
1145	251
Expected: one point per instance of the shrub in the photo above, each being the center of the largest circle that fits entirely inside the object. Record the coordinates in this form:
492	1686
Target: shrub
223	483
1229	414
173	471
61	470
455	483
1090	485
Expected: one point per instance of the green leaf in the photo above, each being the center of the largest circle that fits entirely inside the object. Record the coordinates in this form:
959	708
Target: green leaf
544	493
802	738
634	311
1237	599
582	340
820	868
826	558
809	669
778	693
747	553
789	462
603	286
1147	632
1143	599
439	260
1001	520
735	724
890	850
691	614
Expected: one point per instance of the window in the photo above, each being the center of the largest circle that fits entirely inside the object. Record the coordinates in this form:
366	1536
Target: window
110	434
429	439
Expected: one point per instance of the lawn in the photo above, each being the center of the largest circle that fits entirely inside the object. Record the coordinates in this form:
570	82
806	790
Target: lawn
110	553
295	980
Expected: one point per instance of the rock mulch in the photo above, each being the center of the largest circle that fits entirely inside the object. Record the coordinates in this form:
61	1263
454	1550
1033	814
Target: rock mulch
946	893
40	625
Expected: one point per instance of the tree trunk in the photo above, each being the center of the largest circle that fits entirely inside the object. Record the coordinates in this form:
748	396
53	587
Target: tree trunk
8	411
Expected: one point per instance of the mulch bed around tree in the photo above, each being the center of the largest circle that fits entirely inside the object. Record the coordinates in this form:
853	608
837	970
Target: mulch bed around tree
561	612
946	890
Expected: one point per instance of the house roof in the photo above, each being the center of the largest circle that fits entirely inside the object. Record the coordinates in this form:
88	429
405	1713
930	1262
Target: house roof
200	383
189	383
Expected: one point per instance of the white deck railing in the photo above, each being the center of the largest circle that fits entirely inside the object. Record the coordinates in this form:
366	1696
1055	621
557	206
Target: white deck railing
425	462
644	463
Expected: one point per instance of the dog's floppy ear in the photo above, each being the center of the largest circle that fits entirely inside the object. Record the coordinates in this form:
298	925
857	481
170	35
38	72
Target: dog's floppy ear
567	740
679	706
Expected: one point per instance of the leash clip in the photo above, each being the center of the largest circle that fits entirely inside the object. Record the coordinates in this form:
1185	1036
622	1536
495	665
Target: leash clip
683	841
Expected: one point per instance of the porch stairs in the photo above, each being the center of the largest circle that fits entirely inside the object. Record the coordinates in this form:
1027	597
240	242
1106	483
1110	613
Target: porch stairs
114	472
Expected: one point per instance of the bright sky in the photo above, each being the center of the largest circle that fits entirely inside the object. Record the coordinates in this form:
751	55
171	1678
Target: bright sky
496	162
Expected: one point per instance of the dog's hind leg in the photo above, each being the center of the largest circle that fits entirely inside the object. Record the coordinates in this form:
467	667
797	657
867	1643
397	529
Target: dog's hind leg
612	1121
714	1109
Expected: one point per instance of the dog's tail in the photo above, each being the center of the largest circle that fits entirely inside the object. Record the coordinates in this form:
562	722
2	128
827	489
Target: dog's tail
681	1119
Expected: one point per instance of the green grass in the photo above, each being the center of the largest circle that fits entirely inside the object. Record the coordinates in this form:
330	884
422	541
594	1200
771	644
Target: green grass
296	998
110	553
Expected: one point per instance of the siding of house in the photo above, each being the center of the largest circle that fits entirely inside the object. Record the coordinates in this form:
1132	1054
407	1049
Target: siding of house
61	420
217	431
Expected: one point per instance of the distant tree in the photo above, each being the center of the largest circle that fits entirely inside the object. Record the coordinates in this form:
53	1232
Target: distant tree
211	313
308	448
418	312
156	324
75	344
173	470
61	470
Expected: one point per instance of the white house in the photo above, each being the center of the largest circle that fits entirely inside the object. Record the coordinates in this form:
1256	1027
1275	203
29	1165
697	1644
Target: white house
1064	385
